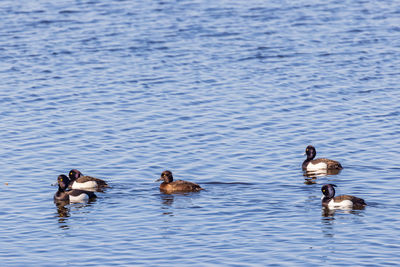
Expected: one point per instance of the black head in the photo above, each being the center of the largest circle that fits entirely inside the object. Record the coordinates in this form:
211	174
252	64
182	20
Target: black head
166	176
310	152
74	174
328	190
63	181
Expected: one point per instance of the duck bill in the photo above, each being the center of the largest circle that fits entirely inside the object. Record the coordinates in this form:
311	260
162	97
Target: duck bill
159	179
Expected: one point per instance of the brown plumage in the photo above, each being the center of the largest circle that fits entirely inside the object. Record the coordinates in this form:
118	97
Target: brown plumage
169	186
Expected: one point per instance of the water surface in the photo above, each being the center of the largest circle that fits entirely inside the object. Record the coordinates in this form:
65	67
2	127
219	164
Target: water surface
227	95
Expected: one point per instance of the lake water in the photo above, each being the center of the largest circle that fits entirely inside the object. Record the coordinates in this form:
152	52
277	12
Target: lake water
226	94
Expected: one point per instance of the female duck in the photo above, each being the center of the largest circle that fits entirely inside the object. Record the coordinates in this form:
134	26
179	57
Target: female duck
169	186
79	181
71	196
311	164
340	202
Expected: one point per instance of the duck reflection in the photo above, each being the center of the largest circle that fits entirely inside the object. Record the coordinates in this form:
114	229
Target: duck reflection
330	216
64	211
327	213
309	181
320	173
311	176
328	222
167	200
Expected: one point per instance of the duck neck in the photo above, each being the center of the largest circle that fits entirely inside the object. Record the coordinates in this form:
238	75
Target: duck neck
60	189
325	200
305	163
60	195
168	180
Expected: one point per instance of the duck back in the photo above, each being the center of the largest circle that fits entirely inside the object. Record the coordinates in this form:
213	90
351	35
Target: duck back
180	186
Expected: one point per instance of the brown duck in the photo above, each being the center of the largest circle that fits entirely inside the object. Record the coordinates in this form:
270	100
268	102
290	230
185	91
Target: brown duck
170	186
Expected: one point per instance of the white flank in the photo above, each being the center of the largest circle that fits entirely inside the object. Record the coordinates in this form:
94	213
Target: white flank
316	167
86	185
345	204
78	199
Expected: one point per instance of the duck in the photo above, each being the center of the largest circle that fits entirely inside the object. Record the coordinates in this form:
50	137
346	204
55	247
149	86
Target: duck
80	181
340	202
179	186
311	164
70	196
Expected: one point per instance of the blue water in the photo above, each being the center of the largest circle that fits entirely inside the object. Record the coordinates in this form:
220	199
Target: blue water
226	94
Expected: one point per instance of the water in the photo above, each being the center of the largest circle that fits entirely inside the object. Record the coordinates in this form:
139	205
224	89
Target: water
225	94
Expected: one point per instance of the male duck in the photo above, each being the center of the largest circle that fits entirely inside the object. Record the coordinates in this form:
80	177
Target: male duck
71	196
311	164
169	186
79	181
340	202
